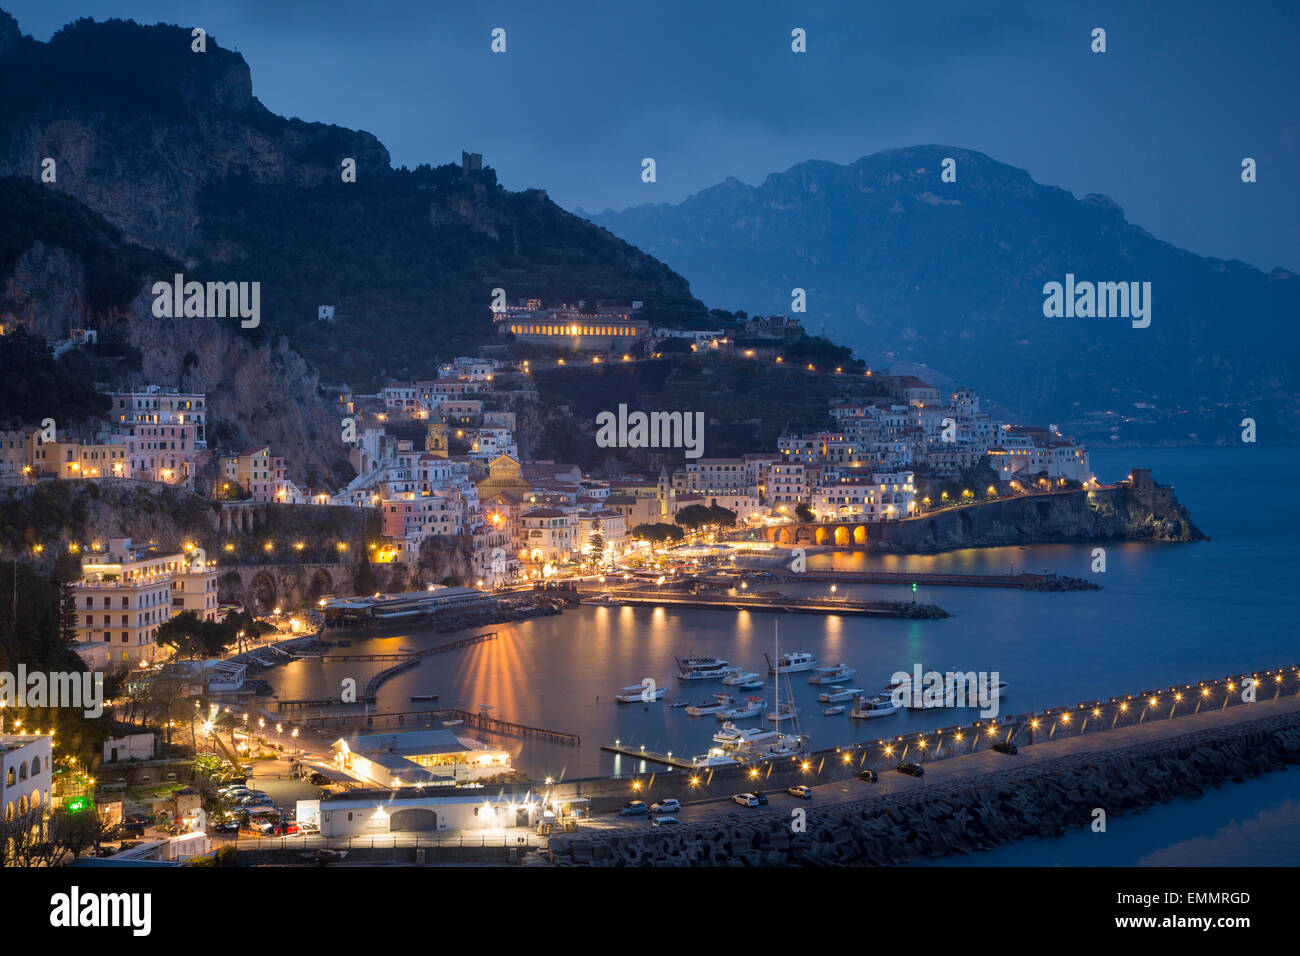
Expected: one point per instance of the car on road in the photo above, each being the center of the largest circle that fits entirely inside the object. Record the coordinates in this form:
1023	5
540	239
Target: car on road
1005	747
745	799
666	806
228	827
800	791
911	769
634	808
664	821
761	797
869	776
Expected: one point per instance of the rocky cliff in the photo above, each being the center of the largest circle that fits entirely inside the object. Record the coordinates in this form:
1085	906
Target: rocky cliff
66	268
1106	514
172	147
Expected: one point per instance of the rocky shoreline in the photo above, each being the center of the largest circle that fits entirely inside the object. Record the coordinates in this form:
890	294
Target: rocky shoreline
961	816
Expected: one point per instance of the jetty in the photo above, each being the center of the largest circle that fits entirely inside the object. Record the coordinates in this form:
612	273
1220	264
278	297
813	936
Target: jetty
403	661
769	603
1121	754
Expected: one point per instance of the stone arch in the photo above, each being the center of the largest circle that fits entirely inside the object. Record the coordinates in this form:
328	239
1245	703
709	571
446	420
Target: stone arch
321	584
967	524
785	536
860	534
263	592
821	536
803	535
841	536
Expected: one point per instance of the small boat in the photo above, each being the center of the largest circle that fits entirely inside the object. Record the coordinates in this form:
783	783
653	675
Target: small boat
703	668
868	708
753	685
718	702
836	694
452	723
752	707
416	697
832	711
739	678
832	675
680	703
791	663
784	711
639	694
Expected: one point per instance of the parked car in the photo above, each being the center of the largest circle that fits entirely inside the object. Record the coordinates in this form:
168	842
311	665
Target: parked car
1005	747
761	797
745	799
228	827
664	821
911	769
804	793
868	775
666	806
634	808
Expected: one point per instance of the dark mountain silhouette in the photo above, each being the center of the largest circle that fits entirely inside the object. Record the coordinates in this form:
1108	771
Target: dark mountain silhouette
171	147
910	270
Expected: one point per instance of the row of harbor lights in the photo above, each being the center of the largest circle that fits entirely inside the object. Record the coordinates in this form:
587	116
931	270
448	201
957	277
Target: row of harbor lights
1064	716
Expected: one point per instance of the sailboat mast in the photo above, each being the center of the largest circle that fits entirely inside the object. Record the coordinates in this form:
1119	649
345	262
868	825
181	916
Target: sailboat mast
776	679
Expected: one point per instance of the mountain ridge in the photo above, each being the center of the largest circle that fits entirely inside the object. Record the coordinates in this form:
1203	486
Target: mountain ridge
906	268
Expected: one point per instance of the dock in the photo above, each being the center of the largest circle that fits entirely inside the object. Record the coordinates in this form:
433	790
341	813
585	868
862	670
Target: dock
783	605
413	655
403	661
639	753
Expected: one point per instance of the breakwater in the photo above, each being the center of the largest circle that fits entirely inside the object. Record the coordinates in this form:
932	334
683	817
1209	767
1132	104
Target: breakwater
965	814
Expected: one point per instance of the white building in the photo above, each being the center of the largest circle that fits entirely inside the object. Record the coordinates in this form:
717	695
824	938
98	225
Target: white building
124	595
25	773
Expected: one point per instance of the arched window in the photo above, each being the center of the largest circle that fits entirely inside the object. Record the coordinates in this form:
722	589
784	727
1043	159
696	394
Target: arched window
22	772
36	766
9	812
9	777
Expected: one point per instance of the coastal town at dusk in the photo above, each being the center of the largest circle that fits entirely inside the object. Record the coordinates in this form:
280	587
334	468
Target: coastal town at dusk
373	506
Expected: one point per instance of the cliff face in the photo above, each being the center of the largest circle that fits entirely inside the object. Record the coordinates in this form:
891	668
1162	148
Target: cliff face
74	271
1108	514
138	141
172	147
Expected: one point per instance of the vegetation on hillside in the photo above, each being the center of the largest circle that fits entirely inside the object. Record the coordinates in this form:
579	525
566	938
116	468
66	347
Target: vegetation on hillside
35	386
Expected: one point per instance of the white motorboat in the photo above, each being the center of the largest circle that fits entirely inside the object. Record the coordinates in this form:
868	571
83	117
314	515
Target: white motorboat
791	662
869	708
452	723
751	707
739	678
640	694
716	704
752	685
703	668
837	694
832	675
833	711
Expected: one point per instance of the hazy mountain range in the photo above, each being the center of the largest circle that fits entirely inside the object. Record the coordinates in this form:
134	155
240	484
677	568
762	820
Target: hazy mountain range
947	278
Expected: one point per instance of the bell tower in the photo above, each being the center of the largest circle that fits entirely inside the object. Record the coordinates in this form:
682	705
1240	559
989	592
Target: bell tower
435	440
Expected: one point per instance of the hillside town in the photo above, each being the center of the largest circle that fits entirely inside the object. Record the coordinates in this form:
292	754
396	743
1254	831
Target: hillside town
439	459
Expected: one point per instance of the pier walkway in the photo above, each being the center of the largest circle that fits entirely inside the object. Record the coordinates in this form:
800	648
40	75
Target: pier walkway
404	661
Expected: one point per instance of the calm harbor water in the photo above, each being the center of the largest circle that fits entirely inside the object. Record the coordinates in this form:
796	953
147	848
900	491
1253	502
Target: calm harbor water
1167	613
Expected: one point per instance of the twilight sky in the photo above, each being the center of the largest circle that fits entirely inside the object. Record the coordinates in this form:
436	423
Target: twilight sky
586	88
